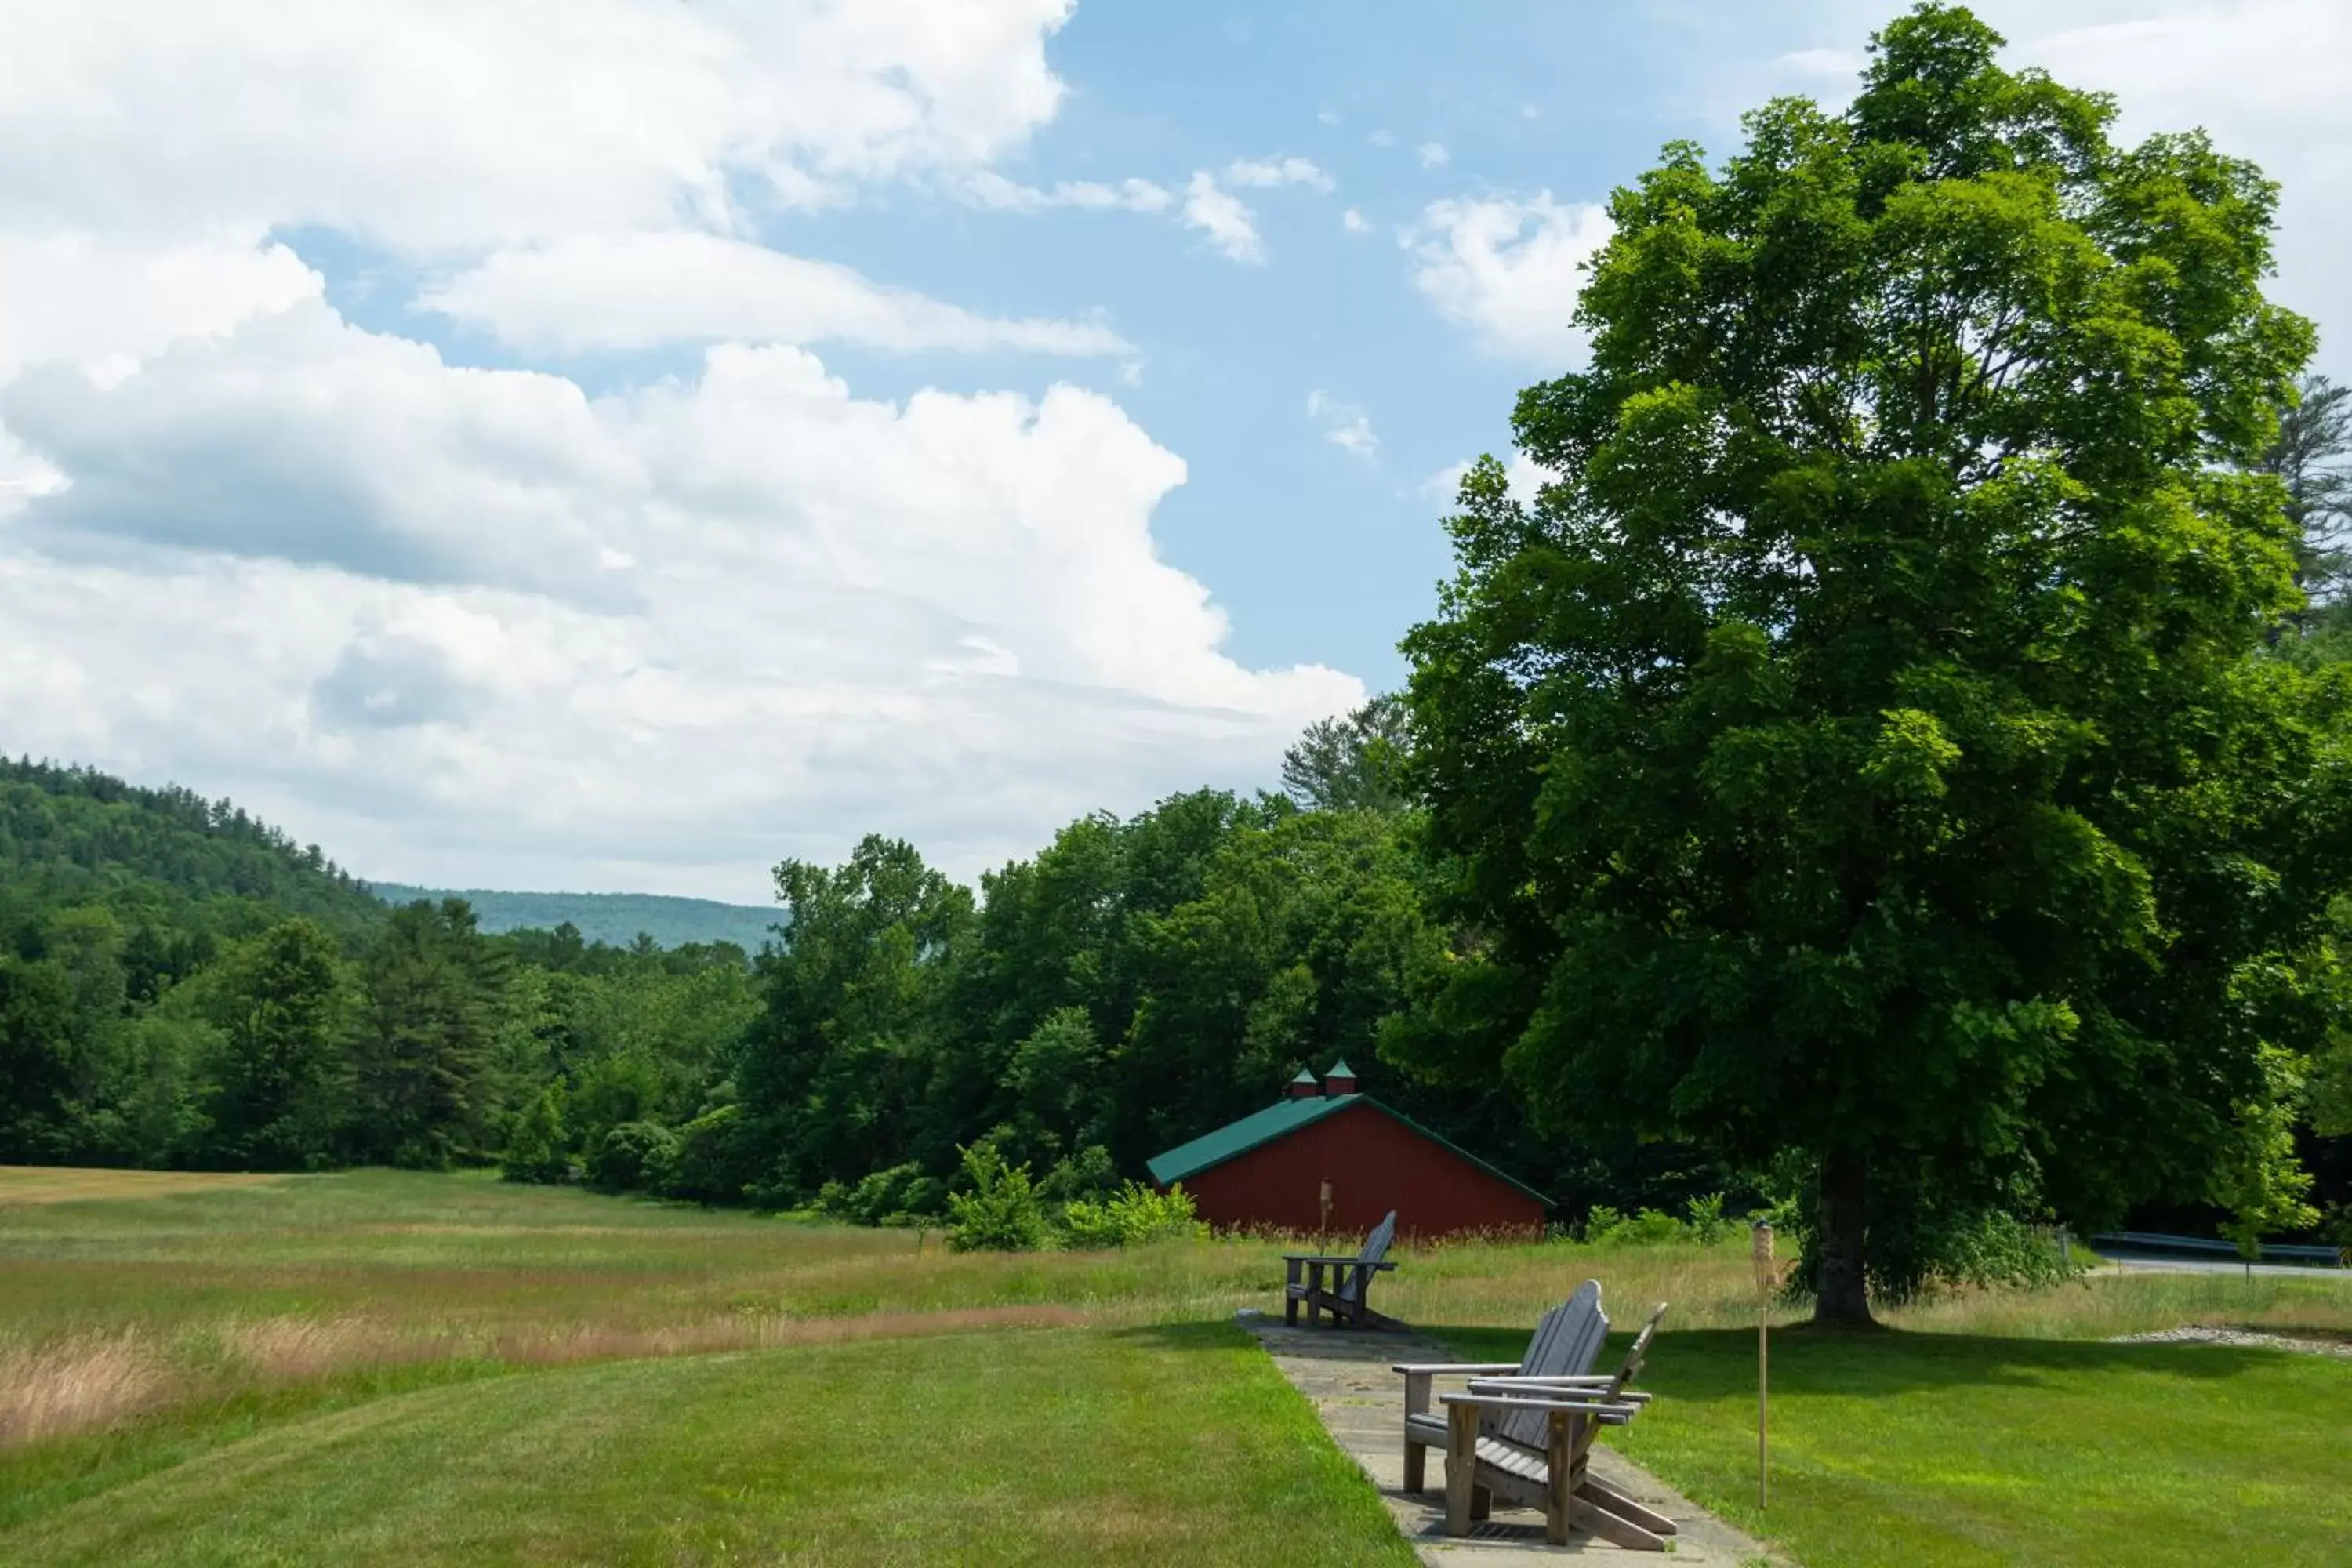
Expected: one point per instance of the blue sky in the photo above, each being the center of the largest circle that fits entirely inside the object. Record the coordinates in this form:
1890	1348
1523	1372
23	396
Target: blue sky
621	443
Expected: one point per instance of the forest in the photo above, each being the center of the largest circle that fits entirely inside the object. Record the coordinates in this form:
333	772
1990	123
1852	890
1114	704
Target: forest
1891	769
182	986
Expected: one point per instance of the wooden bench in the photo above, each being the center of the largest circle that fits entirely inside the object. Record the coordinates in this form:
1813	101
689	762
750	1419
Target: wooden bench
1350	1283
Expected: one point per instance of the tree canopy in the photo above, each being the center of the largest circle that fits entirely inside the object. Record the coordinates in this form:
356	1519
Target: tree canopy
1860	749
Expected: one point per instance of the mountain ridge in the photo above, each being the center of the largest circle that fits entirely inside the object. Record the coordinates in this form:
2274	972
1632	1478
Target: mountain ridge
614	918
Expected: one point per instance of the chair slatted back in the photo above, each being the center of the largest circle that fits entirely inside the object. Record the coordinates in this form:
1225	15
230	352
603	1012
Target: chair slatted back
1627	1371
1564	1345
1376	1248
1630	1367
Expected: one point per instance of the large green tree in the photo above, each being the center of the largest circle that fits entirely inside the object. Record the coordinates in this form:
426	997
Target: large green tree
1859	749
279	1083
855	1026
432	994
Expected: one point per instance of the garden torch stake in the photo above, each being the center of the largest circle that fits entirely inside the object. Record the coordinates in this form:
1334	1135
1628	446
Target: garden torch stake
1760	1250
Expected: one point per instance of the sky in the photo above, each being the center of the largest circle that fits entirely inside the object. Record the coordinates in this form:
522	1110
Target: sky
616	445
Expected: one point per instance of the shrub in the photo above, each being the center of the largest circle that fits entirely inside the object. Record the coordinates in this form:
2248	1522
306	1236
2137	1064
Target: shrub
901	1194
1606	1227
1088	1173
633	1156
538	1149
1706	1224
708	1167
1001	1212
1131	1217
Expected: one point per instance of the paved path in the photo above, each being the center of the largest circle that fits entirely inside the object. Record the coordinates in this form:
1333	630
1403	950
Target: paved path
1347	1378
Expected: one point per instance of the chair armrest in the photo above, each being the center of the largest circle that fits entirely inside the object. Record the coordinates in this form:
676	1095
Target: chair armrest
1546	1387
1326	1257
1607	1414
1453	1368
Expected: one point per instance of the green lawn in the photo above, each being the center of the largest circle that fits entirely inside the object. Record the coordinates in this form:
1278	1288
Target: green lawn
1929	1450
377	1366
1180	1445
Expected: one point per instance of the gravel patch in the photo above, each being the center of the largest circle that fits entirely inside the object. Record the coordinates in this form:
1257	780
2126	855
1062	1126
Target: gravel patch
2206	1334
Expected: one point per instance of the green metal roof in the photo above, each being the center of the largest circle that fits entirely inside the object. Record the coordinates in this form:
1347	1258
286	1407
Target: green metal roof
1338	1069
1305	1076
1283	1118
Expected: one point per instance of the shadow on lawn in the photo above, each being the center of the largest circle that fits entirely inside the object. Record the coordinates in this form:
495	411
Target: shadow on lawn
1209	1336
1720	1363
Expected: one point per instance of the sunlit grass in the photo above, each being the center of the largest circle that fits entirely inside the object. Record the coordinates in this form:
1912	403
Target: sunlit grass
1144	1446
143	1336
1953	1450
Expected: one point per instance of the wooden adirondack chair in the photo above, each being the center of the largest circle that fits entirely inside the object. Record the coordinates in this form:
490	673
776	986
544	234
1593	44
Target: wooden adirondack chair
1562	1347
1489	1451
1351	1282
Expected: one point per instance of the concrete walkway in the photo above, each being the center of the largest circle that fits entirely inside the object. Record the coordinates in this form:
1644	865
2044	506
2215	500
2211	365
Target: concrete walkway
1346	1377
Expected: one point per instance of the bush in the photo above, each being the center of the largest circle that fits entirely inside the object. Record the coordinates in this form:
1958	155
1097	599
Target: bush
708	1167
538	1149
1001	1212
1131	1217
1088	1173
1706	1224
1608	1226
902	1195
633	1156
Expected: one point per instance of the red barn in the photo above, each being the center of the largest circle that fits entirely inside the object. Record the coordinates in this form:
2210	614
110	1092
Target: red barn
1270	1169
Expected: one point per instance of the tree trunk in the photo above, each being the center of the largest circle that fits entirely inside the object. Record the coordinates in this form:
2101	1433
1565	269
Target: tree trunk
1840	1293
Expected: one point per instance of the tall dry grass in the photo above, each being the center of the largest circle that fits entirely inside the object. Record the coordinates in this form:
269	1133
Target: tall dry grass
73	1385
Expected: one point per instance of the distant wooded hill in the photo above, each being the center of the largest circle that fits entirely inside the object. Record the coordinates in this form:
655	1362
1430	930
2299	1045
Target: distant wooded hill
75	835
615	917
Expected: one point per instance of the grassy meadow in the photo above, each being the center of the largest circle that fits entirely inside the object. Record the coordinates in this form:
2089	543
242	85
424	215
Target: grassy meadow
376	1366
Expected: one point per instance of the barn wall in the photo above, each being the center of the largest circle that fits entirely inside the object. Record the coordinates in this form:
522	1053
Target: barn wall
1376	1163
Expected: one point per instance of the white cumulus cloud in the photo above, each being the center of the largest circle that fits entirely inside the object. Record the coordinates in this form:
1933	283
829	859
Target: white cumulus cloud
493	626
429	127
475	624
1509	271
640	290
1224	217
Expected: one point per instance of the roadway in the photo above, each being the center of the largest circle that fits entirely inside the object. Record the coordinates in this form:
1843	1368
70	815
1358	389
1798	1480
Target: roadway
2172	1263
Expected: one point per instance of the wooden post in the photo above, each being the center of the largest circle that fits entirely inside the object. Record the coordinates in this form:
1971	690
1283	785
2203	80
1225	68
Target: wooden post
1559	1501
1323	1230
1416	1453
1760	1252
1461	1465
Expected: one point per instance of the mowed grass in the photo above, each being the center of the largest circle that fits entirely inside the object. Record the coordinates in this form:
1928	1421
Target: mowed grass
1941	1449
1178	1445
371	1364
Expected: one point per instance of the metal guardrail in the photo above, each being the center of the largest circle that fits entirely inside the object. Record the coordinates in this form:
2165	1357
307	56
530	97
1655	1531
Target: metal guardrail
2152	1241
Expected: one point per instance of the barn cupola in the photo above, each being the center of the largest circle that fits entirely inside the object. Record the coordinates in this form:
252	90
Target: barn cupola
1339	1080
1303	1086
